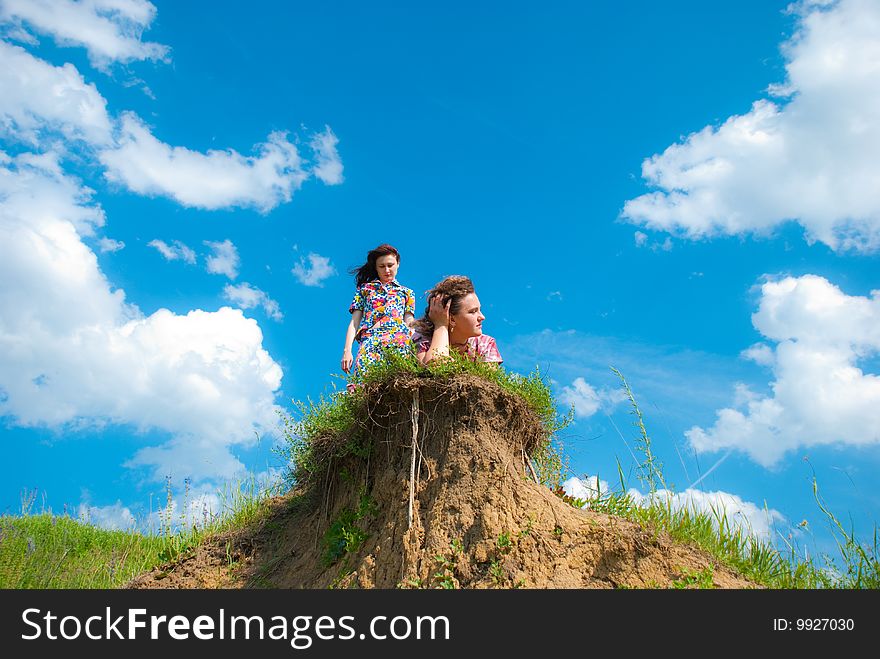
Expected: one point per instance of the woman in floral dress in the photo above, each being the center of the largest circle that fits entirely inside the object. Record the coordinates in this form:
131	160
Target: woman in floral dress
381	312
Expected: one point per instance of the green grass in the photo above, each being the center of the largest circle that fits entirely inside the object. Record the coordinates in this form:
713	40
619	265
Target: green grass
857	565
56	551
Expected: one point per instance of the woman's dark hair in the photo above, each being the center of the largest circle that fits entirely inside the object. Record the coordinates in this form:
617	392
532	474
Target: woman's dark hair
453	288
367	272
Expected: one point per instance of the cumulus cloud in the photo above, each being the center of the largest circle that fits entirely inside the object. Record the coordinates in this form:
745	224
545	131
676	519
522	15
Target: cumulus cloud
587	488
744	515
328	164
809	155
587	400
315	271
50	107
110	245
39	99
760	353
819	394
177	251
224	260
203	377
216	179
113	518
110	30
246	296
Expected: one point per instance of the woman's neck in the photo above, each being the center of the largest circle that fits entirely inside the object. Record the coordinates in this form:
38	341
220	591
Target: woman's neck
457	341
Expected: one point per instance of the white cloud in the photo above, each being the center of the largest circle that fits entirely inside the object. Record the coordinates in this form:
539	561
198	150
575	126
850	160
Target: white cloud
110	30
744	515
110	245
586	400
225	259
820	395
328	167
760	353
641	240
212	180
246	296
203	377
42	103
587	488
113	518
315	272
174	252
810	157
38	98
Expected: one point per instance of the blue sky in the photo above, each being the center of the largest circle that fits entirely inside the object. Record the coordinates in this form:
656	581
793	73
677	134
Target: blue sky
685	191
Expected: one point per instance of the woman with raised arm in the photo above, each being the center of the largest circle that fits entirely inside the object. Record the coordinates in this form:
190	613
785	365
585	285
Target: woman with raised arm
453	320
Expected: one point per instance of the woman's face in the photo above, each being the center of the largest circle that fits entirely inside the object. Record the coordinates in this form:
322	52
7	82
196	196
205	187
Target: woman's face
386	266
468	321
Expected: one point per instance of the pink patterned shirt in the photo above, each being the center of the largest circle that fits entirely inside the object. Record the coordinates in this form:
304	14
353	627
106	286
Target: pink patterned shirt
481	347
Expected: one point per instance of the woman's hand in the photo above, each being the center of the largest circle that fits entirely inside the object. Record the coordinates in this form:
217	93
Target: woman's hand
347	361
438	311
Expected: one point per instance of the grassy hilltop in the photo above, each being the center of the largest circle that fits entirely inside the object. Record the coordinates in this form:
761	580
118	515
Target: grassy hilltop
333	446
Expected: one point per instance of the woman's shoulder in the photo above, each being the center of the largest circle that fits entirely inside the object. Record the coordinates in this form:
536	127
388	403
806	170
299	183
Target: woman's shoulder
486	348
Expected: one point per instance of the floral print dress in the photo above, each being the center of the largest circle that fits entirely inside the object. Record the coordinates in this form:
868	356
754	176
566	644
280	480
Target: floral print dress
382	326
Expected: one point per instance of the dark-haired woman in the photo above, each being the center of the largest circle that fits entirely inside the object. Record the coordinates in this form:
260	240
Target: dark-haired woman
453	321
381	312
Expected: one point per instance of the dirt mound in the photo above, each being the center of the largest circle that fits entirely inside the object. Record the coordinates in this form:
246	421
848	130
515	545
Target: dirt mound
478	518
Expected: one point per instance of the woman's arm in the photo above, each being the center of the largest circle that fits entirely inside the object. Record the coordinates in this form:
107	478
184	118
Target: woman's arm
438	313
408	319
353	324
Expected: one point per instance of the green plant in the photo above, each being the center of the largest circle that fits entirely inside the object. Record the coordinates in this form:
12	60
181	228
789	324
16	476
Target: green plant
344	535
496	571
861	564
530	523
701	579
650	470
445	574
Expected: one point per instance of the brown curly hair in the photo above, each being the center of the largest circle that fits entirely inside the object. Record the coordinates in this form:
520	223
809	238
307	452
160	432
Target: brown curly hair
454	288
